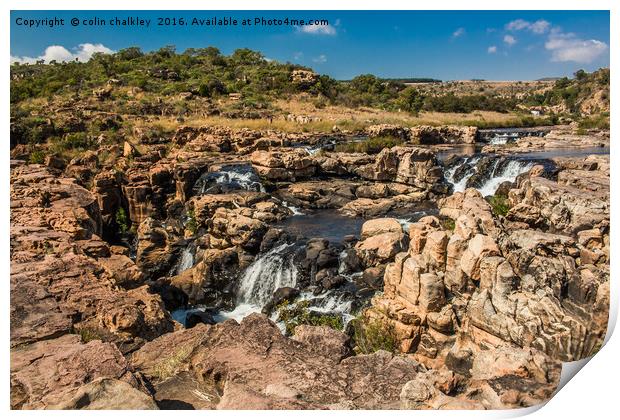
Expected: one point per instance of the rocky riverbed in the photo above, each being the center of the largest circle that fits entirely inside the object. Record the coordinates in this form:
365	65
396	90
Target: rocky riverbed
234	268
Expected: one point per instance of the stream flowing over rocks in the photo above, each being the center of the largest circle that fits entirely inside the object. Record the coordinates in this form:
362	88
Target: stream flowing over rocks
245	269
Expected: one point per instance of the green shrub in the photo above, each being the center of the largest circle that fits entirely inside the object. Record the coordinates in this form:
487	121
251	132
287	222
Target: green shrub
122	220
599	122
372	335
75	141
371	145
499	205
191	223
447	223
298	314
38	156
88	334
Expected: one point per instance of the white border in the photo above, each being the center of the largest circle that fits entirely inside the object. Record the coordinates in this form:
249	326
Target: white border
593	394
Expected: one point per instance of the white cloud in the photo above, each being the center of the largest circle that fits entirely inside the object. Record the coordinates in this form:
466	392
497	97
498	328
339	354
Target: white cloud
492	49
320	59
510	40
59	53
568	47
298	56
459	32
517	25
539	27
318	29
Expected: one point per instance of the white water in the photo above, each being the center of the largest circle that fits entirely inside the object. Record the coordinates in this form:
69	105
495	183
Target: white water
460	185
295	210
509	173
265	275
245	180
186	262
329	302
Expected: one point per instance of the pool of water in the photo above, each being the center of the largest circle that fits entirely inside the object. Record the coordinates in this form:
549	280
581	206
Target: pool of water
328	224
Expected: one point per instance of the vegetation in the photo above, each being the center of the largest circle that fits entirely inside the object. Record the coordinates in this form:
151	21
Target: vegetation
599	122
122	221
372	335
499	205
143	97
572	93
37	156
207	73
88	334
371	145
169	365
447	223
191	225
297	314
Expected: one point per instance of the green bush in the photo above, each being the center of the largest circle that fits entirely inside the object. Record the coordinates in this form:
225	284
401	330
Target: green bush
298	314
595	122
75	141
372	335
371	145
447	223
191	223
499	205
122	221
38	156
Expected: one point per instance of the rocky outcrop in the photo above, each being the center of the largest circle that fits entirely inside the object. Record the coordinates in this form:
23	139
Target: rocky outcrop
64	373
426	134
447	134
252	365
522	287
381	240
283	165
578	201
64	279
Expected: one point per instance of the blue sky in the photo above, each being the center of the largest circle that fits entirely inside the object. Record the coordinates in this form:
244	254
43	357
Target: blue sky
448	45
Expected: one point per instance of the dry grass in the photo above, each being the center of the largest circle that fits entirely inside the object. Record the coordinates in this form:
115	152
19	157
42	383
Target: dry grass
346	119
169	366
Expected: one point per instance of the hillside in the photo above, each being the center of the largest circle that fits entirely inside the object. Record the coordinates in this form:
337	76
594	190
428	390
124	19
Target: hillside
66	106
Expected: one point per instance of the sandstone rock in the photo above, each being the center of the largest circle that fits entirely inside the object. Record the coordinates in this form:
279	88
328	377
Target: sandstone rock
106	394
378	226
48	372
324	340
478	247
380	248
241	361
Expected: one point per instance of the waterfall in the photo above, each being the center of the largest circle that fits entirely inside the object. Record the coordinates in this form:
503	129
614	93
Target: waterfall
229	178
508	172
246	180
186	261
502	170
293	209
266	274
460	185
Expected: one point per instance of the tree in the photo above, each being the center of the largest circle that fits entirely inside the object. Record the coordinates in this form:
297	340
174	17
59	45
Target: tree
580	75
410	100
129	53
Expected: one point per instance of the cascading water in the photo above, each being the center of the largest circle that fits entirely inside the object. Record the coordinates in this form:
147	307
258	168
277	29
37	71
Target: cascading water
269	272
501	169
228	178
508	172
293	209
186	261
460	184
